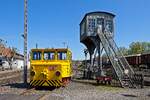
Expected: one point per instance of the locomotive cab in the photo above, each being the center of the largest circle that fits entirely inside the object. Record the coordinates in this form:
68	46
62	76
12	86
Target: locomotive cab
50	67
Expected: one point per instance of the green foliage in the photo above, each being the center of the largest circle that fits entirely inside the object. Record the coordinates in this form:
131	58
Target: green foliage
146	47
136	48
124	50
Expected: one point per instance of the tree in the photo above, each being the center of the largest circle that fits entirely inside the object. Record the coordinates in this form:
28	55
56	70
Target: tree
139	47
7	53
11	52
123	50
135	48
146	47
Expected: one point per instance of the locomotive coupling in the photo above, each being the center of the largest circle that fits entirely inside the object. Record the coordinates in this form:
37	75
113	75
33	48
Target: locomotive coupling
44	75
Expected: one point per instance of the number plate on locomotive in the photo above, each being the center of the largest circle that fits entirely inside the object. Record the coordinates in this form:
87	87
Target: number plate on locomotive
52	68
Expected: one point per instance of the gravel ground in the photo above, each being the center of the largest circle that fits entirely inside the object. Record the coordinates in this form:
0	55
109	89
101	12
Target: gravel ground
75	91
80	91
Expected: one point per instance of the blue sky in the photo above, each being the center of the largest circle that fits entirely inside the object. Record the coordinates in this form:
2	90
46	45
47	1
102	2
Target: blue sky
52	22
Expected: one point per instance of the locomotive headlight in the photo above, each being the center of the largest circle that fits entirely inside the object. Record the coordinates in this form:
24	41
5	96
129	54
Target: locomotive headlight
57	73
32	73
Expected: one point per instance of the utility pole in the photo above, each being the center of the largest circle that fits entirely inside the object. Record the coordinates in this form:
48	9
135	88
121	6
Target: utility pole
25	41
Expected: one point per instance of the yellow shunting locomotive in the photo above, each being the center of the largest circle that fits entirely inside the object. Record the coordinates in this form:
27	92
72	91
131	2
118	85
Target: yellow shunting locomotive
50	67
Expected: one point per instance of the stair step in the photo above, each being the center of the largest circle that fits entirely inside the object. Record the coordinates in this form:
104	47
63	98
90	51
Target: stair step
125	79
117	59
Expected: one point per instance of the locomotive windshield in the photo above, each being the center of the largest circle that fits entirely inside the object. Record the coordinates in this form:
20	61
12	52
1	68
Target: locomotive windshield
49	55
36	55
62	55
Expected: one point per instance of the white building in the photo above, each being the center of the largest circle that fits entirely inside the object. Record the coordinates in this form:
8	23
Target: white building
18	61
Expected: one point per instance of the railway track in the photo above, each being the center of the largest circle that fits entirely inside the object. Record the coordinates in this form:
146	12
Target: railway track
9	73
13	76
27	91
45	96
31	91
9	79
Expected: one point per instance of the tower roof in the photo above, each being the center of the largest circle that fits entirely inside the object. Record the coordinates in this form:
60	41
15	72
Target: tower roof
97	12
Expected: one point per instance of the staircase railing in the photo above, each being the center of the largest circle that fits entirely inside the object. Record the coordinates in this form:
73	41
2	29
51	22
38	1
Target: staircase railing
119	54
113	59
117	59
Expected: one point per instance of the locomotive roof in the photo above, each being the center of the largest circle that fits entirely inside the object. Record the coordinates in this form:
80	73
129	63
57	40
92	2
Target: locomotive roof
50	49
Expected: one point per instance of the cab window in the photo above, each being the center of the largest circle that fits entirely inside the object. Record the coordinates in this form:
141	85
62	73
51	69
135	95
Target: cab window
62	55
36	55
49	55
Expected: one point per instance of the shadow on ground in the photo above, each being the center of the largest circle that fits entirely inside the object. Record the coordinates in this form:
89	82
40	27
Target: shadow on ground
91	82
148	95
27	86
129	95
17	85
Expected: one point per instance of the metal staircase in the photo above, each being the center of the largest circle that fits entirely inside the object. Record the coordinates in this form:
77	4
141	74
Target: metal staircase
123	70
